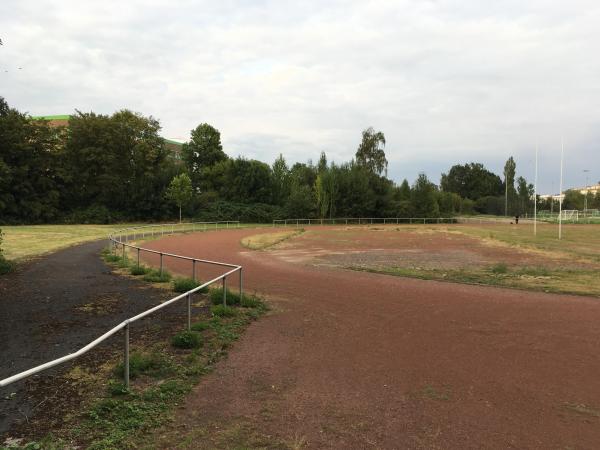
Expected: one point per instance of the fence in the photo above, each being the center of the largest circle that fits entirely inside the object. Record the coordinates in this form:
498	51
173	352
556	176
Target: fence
120	239
388	220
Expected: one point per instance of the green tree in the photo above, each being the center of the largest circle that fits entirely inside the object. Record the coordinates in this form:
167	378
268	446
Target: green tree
510	169
525	195
281	180
202	151
423	197
404	191
180	191
370	153
573	200
472	181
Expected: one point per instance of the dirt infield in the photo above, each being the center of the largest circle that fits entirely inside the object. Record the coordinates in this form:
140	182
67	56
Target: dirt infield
360	360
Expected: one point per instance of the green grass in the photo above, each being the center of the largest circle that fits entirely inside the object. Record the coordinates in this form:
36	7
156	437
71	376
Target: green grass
153	364
139	270
154	276
23	242
499	268
200	326
223	311
186	339
187	284
233	298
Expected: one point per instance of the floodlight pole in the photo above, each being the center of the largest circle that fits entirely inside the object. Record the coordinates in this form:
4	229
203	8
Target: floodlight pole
535	192
587	182
560	197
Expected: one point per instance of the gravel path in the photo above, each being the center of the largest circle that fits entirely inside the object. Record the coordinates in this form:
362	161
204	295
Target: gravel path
53	306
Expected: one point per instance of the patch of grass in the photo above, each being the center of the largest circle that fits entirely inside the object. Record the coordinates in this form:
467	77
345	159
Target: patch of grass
499	268
154	276
432	393
233	298
186	284
583	409
152	364
200	326
266	240
187	339
139	270
111	258
223	311
535	271
22	242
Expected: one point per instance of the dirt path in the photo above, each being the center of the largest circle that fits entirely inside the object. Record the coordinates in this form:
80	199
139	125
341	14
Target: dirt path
358	360
52	307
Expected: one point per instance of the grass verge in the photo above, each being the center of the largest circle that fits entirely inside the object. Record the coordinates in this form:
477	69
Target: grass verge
266	240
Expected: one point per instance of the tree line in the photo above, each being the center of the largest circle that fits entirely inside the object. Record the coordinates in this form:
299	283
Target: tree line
106	168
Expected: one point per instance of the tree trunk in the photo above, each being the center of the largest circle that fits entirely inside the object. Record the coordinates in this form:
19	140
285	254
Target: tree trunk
179	213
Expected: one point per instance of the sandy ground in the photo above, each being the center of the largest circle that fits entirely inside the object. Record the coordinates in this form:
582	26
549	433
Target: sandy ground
359	360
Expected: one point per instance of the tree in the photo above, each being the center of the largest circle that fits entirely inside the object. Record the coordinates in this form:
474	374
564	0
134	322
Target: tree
281	180
203	150
472	181
525	195
180	191
423	197
370	153
510	169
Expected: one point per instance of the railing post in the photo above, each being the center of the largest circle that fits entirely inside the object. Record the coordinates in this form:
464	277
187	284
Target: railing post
161	263
138	257
224	291
123	252
194	269
241	284
189	308
126	359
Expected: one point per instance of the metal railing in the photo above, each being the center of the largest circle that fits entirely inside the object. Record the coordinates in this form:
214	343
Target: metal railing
388	220
121	238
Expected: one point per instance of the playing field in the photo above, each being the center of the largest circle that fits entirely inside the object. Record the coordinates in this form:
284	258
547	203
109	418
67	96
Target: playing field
355	358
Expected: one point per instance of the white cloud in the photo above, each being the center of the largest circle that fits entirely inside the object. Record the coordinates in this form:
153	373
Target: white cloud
447	81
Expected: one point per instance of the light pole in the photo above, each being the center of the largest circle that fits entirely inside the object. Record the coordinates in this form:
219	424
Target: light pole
587	183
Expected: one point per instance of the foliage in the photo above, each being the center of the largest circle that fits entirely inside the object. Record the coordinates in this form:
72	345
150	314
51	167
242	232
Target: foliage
140	363
187	339
185	284
471	181
370	152
423	196
204	150
180	191
154	276
138	270
223	311
5	265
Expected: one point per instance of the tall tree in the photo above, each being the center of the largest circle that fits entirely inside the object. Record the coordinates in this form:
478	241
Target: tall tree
203	150
180	191
510	168
281	180
472	181
370	153
423	197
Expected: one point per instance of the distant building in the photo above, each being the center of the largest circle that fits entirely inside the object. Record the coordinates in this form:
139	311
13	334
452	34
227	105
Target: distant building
172	145
590	190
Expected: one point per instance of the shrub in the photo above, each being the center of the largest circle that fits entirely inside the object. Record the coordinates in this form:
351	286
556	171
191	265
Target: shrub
5	265
138	270
186	339
112	258
154	276
222	311
185	284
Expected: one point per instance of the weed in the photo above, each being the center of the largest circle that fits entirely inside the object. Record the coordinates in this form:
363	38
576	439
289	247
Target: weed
154	276
233	298
144	363
186	339
117	388
139	270
186	284
499	268
223	311
200	326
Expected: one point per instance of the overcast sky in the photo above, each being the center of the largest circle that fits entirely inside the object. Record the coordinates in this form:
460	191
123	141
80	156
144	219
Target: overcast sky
446	81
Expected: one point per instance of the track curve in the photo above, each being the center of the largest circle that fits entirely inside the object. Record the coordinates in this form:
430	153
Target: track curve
357	360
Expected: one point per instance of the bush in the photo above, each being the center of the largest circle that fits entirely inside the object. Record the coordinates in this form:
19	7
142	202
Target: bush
112	258
186	284
99	214
222	311
186	339
5	265
154	276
